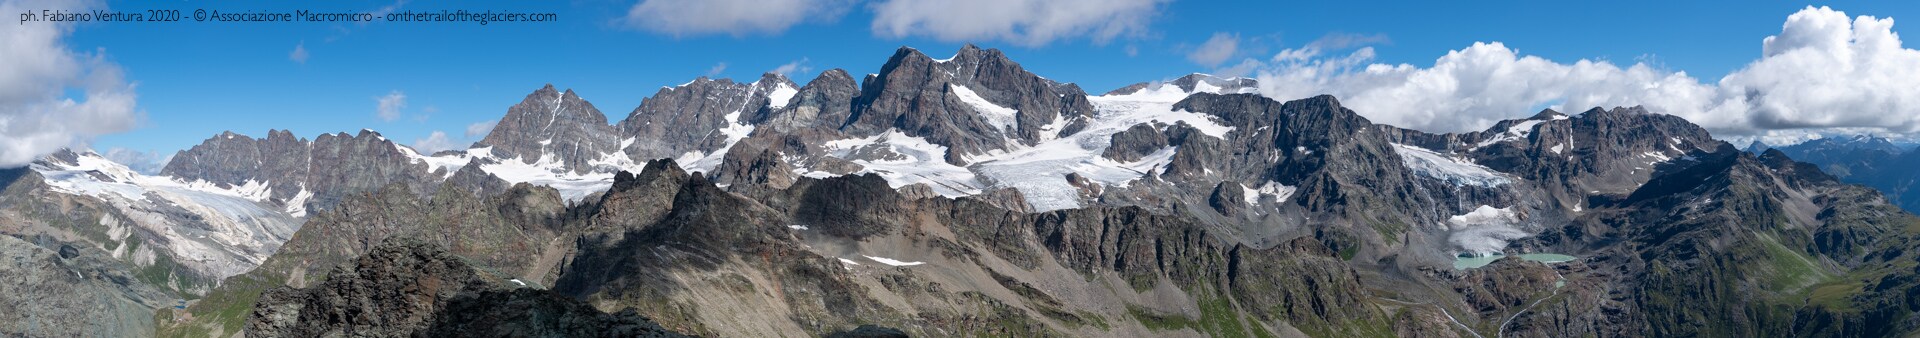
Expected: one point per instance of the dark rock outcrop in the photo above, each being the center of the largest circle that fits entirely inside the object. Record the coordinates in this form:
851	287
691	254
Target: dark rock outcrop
410	287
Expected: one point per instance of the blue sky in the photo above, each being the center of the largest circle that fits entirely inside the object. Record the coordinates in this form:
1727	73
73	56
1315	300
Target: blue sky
195	80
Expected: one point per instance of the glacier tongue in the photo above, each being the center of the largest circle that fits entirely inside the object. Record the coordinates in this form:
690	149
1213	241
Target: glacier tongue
1457	171
223	231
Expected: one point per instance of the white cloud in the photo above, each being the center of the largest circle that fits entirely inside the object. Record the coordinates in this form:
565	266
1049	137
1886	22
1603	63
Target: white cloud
299	53
37	117
1023	22
389	105
481	129
1822	73
142	161
435	142
797	66
1471	88
1217	49
717	68
732	17
1825	71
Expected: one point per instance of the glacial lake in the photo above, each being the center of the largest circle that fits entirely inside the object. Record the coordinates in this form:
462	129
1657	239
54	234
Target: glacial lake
1463	263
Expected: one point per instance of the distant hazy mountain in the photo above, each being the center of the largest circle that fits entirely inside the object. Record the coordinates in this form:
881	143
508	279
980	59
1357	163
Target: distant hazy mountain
1876	162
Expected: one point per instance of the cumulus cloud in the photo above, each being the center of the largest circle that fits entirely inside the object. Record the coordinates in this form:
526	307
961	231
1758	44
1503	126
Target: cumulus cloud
717	68
37	116
732	17
299	53
388	106
1823	73
797	66
481	129
435	142
1217	49
1471	88
1024	22
1824	70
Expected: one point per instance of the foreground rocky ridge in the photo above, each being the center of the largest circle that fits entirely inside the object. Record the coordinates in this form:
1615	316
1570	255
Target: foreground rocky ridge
409	287
759	260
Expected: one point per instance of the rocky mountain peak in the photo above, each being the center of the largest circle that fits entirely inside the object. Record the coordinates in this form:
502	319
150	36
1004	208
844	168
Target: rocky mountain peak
700	117
1547	114
772	78
824	103
551	125
973	103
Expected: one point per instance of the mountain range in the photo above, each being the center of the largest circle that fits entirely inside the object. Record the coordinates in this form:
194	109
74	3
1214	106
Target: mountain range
1868	160
968	196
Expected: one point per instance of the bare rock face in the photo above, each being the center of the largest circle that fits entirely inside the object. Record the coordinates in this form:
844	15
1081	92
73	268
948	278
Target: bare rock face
755	162
343	164
929	98
553	124
410	287
1136	142
825	103
328	167
692	117
280	160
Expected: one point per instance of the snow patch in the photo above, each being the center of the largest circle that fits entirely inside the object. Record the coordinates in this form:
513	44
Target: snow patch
1002	118
297	206
1519	131
703	161
1656	156
890	261
1124	111
905	160
550	172
779	97
1280	192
